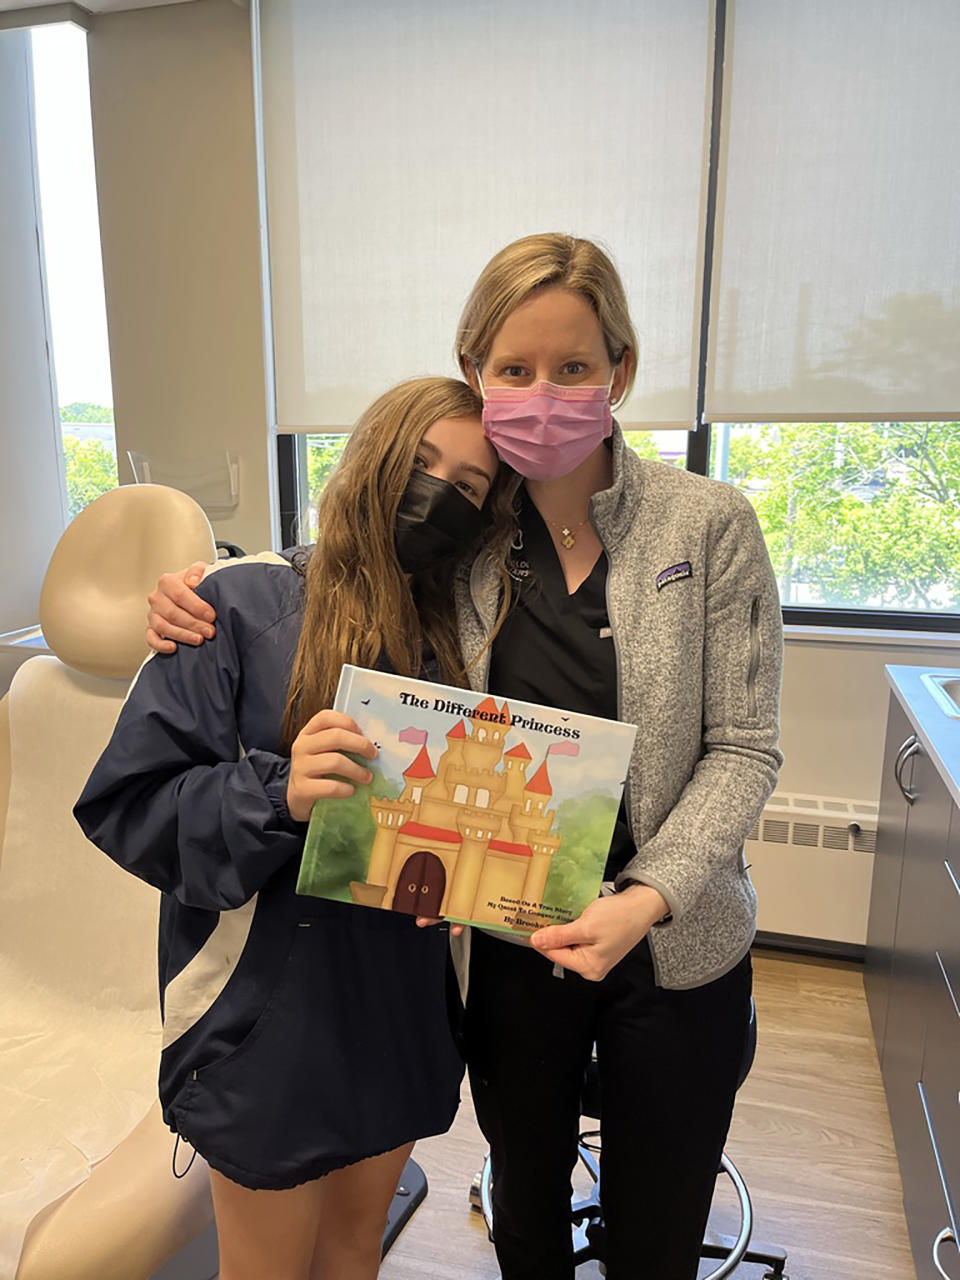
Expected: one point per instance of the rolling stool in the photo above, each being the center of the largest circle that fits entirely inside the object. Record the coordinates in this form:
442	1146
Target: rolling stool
589	1234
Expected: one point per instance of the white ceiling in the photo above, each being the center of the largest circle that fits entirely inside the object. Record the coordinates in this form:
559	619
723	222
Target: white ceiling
92	6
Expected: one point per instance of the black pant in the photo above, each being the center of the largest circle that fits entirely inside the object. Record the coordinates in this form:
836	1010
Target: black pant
669	1064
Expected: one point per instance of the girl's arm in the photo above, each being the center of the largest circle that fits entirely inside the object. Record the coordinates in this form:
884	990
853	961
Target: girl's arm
176	800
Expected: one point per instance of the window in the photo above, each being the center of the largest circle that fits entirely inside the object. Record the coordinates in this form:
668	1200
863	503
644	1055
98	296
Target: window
857	516
71	252
321	453
460	793
659	446
803	307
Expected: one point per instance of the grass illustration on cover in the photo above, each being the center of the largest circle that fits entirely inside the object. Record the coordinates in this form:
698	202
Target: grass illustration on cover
479	811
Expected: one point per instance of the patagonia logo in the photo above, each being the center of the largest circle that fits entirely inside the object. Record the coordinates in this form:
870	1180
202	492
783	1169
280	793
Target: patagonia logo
676	573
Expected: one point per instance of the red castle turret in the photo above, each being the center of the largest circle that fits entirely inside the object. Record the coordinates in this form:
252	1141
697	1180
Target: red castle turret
421	767
488	711
540	782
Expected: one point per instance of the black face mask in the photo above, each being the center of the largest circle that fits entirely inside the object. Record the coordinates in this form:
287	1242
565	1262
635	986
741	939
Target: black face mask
435	522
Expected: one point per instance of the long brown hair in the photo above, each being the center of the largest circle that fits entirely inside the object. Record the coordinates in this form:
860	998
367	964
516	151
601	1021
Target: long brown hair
358	603
535	262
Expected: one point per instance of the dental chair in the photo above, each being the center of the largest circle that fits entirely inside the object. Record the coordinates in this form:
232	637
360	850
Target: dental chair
586	1214
86	1186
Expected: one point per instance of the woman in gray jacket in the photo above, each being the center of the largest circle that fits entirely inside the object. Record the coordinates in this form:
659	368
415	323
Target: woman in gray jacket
644	593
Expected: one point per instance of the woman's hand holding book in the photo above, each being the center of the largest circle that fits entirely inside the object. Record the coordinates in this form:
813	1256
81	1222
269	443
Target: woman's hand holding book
607	930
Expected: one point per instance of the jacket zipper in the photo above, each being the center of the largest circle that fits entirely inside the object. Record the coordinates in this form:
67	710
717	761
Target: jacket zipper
628	811
754	658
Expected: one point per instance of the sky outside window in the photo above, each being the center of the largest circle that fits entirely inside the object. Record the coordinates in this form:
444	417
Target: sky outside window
71	251
68	202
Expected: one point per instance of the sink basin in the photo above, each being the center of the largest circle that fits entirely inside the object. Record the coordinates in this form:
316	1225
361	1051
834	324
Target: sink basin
946	693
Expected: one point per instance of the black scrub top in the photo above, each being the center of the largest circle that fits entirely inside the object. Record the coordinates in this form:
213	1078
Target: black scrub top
556	648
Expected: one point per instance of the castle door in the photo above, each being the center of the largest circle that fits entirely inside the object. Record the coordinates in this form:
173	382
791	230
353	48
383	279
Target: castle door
420	885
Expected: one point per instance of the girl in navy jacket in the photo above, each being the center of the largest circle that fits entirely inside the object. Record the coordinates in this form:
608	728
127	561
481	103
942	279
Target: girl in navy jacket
307	1043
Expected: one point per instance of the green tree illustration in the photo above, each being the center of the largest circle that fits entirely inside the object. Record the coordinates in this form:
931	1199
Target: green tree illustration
586	826
340	838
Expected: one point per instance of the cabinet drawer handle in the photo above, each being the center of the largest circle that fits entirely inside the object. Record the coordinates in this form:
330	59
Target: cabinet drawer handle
907	742
909	748
945	1234
953	878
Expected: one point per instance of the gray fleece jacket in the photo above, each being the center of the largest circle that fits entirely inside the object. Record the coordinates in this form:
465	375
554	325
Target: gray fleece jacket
696	623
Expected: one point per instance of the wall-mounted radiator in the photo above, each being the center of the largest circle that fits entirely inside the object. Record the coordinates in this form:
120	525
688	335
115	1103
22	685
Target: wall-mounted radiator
811	860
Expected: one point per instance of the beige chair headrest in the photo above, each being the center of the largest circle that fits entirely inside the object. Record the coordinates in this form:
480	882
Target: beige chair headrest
93	604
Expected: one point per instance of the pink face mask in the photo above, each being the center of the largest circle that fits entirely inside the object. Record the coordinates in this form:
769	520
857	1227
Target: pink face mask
546	430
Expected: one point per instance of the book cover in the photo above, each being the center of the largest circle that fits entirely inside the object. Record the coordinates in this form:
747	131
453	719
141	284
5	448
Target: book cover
480	811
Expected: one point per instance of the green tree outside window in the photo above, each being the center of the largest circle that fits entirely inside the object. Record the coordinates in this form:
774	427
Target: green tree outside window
856	514
91	467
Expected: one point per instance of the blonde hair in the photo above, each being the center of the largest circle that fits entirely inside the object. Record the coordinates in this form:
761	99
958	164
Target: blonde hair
534	262
358	603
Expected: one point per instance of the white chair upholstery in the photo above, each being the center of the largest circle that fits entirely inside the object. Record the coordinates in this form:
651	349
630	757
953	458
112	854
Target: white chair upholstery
86	1186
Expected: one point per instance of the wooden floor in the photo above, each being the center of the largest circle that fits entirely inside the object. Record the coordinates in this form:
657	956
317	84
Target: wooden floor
810	1136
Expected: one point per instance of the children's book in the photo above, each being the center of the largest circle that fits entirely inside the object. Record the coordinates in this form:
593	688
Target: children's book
480	811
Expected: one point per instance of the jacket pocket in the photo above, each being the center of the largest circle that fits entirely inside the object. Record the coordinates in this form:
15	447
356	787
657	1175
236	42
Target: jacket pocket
259	1025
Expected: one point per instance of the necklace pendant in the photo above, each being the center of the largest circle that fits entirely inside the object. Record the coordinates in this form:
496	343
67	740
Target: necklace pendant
567	537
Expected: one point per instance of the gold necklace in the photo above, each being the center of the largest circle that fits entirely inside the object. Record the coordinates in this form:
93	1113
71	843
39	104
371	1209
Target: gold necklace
568	536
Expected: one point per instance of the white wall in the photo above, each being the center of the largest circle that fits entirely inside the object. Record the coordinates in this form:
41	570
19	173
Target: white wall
173	126
31	472
834	709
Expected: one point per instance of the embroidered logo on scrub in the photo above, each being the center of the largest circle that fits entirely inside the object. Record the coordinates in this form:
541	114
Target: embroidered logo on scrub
676	573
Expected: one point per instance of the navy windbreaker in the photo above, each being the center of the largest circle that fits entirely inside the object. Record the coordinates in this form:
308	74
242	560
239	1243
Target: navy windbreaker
271	1001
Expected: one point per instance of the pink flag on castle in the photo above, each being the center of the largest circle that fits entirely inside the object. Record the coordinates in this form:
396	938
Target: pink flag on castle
563	749
415	737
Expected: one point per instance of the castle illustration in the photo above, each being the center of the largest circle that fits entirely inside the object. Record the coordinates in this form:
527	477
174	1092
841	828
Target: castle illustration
472	840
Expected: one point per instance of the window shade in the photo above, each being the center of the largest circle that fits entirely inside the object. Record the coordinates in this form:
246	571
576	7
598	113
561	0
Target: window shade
836	280
406	143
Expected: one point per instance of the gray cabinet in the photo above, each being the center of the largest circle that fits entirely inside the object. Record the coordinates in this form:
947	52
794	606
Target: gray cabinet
912	980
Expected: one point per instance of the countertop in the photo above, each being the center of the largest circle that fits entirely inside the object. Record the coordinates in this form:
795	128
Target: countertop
939	733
